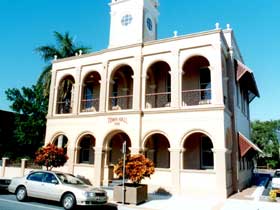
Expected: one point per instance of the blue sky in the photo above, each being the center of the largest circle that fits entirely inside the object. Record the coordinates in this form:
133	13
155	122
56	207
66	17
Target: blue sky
27	24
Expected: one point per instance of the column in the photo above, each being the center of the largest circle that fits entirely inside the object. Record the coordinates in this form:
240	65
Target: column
175	168
76	99
4	164
52	93
137	87
175	80
103	88
71	154
106	168
98	166
23	166
135	150
221	171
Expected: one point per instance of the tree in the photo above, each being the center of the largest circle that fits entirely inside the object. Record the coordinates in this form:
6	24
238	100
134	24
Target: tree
30	121
30	104
137	167
65	47
50	156
264	134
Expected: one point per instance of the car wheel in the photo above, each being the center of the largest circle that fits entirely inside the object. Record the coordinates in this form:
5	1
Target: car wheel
21	194
68	201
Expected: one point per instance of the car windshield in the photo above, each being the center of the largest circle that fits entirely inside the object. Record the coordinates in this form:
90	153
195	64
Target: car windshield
69	179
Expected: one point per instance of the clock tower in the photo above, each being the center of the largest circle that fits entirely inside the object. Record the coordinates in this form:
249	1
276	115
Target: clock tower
133	21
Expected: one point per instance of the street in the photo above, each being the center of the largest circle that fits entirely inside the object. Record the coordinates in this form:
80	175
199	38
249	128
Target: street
9	202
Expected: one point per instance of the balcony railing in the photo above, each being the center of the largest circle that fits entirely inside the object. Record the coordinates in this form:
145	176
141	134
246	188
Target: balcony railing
196	97
157	100
90	105
64	107
120	102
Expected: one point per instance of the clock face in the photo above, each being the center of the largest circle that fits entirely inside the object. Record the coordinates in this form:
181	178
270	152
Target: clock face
149	24
126	19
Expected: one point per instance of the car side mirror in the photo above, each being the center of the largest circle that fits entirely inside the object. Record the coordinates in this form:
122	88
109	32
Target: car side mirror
54	181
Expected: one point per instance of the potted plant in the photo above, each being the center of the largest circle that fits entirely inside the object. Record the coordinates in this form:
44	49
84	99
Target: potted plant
137	167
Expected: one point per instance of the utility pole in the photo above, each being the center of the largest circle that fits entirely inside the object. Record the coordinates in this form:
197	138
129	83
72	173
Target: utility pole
124	157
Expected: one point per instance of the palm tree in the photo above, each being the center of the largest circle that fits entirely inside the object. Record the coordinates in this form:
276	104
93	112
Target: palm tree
65	47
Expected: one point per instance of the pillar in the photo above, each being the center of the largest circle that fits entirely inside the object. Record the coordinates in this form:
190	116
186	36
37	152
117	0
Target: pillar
175	161
98	165
76	99
137	87
4	164
60	141
23	166
221	171
175	74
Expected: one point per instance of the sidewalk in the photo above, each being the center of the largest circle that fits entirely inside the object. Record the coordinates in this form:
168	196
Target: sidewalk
249	199
165	202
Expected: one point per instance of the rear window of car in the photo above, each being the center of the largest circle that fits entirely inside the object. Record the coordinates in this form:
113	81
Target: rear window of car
37	176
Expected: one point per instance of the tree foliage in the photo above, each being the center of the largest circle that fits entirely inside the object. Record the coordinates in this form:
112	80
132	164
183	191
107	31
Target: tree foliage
50	156
31	108
30	104
65	47
137	167
266	136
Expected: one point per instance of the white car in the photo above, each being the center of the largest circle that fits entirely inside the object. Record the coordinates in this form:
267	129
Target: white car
57	186
275	183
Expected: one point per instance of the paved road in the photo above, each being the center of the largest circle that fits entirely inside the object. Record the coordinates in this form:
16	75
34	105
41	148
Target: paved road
9	202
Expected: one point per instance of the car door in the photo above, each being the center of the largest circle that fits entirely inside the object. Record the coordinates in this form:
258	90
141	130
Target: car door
52	187
34	184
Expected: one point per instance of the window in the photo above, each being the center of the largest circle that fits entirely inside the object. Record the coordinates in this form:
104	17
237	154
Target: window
207	160
38	176
126	20
86	150
49	178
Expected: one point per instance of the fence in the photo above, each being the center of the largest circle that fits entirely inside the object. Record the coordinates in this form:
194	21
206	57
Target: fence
15	170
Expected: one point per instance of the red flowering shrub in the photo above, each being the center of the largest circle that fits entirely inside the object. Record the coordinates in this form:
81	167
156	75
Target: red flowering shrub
137	167
50	156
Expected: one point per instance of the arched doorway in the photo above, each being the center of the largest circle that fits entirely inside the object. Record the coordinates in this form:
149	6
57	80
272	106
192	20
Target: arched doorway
113	153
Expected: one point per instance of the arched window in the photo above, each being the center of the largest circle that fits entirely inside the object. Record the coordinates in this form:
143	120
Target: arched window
196	82
198	152
121	89
91	93
65	95
158	86
86	150
62	142
156	149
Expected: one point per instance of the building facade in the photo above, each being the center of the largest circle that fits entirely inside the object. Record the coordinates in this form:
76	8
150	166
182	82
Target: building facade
182	101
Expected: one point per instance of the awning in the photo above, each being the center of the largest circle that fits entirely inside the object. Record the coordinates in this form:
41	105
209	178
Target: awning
245	145
245	76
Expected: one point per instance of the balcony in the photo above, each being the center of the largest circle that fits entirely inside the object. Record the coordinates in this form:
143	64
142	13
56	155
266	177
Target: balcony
196	97
120	102
64	107
90	105
157	100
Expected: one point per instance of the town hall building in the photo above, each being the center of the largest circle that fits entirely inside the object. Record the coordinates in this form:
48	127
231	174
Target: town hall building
182	101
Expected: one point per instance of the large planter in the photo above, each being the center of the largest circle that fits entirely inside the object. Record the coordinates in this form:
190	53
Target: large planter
134	194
